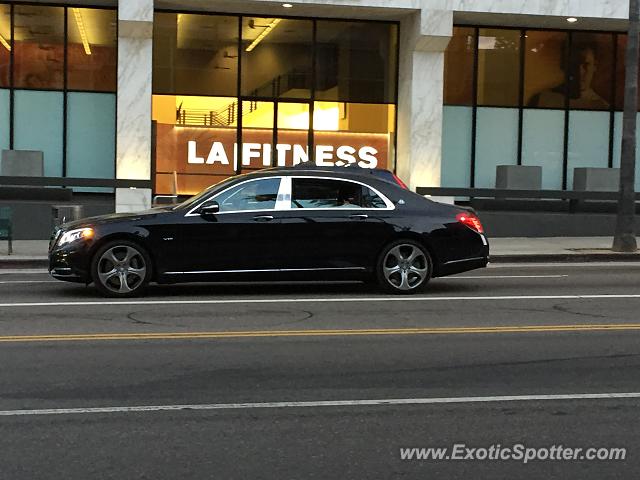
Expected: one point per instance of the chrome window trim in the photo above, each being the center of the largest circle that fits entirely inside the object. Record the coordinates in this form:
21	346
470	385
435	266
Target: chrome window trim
265	270
472	259
283	202
191	213
389	204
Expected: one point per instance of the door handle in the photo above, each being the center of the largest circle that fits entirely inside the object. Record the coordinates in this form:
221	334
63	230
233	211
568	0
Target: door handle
263	218
359	216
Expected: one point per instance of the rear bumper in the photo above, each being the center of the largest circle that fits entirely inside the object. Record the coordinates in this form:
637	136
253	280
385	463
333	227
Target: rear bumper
459	266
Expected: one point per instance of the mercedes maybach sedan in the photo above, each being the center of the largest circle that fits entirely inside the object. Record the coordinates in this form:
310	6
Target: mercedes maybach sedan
296	223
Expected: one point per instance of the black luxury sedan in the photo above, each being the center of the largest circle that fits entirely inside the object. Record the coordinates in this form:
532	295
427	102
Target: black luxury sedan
293	223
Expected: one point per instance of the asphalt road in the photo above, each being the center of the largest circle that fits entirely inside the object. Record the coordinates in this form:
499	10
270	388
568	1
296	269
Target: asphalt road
324	381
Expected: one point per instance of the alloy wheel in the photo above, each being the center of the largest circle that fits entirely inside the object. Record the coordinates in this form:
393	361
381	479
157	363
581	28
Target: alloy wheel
122	269
405	267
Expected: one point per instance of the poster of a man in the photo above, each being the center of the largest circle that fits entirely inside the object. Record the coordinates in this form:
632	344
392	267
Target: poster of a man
582	70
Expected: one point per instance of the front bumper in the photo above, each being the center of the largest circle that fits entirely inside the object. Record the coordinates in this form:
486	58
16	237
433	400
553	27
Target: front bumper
70	263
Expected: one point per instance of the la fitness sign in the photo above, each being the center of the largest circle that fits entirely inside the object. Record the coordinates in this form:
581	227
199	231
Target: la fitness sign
259	155
195	157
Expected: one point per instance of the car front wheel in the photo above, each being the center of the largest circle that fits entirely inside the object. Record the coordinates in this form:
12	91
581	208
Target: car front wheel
121	269
404	267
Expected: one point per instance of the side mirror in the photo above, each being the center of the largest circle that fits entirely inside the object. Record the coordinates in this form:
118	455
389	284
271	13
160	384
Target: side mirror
209	208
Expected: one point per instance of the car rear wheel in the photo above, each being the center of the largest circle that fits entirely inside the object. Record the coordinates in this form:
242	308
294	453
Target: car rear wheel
121	269
404	267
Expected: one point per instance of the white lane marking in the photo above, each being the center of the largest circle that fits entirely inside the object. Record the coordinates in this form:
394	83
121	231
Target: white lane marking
320	300
484	277
21	271
522	265
9	282
318	404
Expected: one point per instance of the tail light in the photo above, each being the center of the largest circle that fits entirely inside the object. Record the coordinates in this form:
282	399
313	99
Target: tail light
470	220
399	182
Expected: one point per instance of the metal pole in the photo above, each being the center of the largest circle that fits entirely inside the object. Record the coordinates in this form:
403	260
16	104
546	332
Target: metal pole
625	235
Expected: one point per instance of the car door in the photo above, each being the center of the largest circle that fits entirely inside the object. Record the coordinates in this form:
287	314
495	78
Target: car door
241	237
334	224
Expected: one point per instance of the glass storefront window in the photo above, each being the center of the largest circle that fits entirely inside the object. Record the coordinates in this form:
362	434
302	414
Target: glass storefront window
498	67
496	143
545	69
276	57
543	144
257	135
292	133
5	45
591	71
588	141
40	112
457	124
356	61
348	133
37	125
38	47
195	54
206	130
91	125
458	67
195	140
91	49
577	77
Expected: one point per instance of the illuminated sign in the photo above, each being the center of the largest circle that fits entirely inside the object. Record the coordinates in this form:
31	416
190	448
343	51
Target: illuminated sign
259	155
188	159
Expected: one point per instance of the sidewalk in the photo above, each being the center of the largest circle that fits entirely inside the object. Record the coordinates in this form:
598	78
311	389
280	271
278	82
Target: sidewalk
33	253
26	254
557	249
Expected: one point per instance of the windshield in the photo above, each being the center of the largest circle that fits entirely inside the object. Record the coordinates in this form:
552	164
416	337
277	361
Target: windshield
188	203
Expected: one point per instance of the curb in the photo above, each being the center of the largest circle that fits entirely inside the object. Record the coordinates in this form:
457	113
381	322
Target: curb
566	258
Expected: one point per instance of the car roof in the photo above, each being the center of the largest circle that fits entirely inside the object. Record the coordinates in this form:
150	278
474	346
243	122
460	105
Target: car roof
348	171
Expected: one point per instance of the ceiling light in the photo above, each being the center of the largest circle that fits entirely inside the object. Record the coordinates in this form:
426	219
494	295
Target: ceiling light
83	31
287	5
264	33
572	19
4	43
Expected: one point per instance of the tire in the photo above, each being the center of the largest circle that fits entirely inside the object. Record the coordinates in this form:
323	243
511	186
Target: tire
121	269
404	267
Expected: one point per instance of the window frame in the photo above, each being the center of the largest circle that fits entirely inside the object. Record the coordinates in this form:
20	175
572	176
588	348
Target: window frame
12	88
240	99
521	106
283	202
388	203
239	187
194	212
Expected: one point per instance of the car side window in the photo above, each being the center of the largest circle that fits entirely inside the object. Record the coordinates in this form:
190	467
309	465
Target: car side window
254	195
371	199
326	193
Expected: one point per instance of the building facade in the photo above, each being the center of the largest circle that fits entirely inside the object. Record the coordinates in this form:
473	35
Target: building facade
177	95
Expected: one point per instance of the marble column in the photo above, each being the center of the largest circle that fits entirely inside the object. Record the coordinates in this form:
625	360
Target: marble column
424	38
133	145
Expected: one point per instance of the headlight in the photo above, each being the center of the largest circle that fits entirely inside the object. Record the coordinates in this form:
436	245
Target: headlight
77	234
